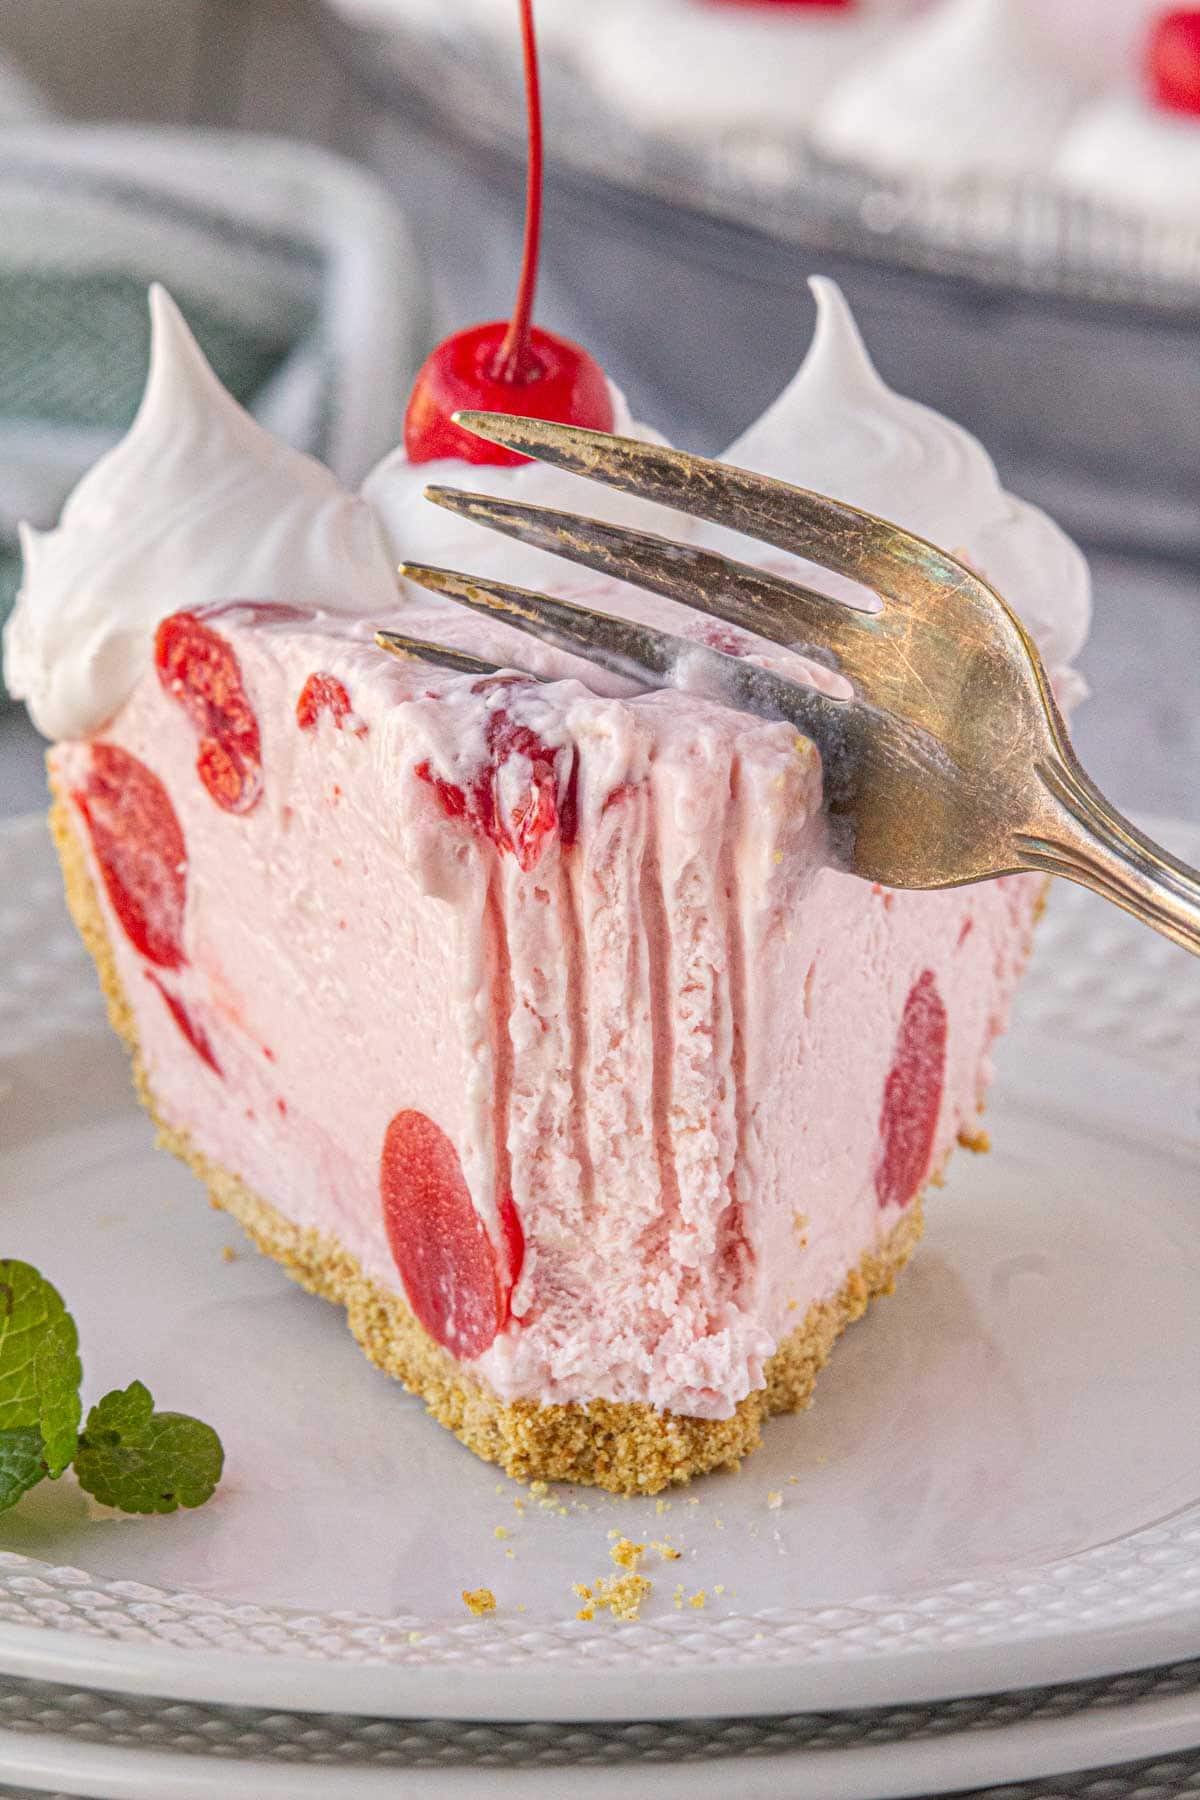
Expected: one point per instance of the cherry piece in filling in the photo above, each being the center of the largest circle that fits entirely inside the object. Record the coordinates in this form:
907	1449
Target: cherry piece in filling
1173	61
195	1034
325	693
507	366
912	1095
514	1239
521	822
140	850
448	1264
199	669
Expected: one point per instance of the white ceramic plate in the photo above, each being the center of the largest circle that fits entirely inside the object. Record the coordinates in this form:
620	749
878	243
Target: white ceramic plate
998	1486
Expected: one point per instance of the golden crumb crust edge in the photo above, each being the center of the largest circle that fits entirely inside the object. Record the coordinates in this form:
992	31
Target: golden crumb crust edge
628	1447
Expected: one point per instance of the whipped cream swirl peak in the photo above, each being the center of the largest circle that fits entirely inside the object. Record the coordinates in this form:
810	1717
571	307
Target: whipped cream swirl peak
839	429
971	86
196	503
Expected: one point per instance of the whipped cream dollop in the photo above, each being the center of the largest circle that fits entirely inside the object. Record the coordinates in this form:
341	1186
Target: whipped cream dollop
196	503
839	429
419	532
1126	153
694	70
972	86
199	504
1104	43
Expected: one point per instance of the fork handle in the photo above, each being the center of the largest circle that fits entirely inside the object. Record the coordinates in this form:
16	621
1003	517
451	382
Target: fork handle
1080	835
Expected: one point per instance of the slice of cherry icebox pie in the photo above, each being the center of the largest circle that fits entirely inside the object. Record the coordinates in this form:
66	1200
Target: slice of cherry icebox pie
528	1020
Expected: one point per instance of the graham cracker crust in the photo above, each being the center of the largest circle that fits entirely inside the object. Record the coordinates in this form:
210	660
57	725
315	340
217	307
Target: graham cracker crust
626	1447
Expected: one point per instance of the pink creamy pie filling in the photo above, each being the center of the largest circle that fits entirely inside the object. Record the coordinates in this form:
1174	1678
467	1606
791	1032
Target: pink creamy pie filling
541	1002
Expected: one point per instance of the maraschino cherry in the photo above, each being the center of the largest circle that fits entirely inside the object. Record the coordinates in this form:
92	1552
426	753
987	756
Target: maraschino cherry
509	366
1173	61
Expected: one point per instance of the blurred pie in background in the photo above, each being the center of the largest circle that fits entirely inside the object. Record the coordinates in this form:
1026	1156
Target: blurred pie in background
976	87
1100	96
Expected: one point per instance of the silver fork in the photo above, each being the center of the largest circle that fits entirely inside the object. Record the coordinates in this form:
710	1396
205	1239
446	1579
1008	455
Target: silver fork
950	764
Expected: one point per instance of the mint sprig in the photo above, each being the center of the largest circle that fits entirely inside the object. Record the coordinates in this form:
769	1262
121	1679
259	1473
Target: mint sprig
145	1461
21	1463
127	1455
57	1373
29	1309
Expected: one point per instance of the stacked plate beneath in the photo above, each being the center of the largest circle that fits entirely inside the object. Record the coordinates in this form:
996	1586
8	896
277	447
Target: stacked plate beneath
135	1748
996	1492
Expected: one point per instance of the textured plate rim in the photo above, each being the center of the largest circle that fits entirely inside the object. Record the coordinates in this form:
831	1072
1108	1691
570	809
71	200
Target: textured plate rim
569	1692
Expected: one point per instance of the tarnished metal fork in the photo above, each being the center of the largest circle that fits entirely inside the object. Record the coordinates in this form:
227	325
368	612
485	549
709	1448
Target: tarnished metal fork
950	764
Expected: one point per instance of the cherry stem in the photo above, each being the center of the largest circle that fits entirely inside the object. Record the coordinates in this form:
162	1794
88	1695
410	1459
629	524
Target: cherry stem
513	360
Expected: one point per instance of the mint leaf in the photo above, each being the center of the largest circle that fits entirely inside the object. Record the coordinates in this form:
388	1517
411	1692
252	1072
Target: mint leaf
57	1373
21	1464
129	1456
29	1306
144	1461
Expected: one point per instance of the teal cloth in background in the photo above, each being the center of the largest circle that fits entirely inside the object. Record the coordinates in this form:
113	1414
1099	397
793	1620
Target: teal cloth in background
73	352
294	269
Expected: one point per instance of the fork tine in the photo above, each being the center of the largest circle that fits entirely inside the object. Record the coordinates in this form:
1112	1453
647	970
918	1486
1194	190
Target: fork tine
620	645
893	562
784	611
441	656
841	729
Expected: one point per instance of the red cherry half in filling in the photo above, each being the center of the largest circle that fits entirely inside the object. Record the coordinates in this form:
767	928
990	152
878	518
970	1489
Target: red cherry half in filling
518	817
508	367
912	1095
514	1239
456	1282
140	851
198	668
1173	61
194	1032
326	694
